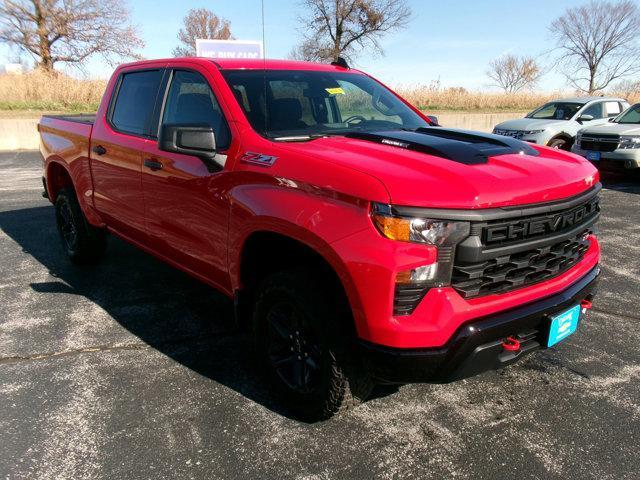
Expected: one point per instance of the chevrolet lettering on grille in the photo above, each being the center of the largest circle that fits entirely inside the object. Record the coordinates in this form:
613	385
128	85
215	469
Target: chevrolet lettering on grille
523	229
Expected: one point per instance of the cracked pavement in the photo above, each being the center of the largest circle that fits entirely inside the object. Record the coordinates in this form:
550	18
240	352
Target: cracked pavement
131	369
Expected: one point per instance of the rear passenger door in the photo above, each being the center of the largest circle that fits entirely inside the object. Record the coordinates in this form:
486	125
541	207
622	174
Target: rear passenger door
118	139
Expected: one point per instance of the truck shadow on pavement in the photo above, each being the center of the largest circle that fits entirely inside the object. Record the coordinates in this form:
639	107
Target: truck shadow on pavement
166	309
627	182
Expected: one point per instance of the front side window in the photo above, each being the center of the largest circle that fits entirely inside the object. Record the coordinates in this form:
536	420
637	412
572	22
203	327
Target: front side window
282	103
632	115
556	111
191	102
136	97
594	110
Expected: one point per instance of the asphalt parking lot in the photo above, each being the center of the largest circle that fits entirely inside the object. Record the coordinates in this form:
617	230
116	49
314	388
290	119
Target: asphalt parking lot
132	370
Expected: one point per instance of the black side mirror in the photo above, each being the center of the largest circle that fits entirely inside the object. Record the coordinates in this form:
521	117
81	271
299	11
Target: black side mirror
198	140
434	120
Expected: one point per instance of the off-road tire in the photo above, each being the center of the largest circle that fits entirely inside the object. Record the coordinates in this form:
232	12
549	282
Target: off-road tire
341	381
83	243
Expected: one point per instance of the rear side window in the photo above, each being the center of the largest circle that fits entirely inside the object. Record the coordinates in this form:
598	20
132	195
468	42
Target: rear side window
612	109
135	101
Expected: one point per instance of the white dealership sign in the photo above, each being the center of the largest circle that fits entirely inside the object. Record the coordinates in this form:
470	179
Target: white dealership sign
228	49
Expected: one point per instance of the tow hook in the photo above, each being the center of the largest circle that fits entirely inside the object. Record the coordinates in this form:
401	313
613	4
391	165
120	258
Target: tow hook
585	305
511	344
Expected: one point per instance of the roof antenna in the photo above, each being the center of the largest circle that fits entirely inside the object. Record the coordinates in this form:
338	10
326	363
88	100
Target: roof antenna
264	64
341	62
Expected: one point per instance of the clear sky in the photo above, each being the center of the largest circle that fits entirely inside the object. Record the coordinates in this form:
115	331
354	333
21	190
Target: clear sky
451	41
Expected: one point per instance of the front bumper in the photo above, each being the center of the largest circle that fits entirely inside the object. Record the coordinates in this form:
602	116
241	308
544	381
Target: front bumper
477	346
630	158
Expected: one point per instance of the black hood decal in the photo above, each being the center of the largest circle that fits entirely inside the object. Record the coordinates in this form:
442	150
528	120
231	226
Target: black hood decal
460	146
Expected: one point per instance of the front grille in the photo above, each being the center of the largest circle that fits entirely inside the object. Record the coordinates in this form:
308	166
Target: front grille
600	143
519	269
517	134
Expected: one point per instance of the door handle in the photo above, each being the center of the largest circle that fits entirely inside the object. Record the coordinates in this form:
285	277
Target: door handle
99	149
152	164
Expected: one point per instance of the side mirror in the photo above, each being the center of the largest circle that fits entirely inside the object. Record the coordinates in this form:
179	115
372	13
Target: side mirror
585	118
434	120
198	140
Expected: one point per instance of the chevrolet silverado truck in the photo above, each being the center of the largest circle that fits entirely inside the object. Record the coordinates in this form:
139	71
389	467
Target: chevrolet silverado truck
360	243
556	123
616	143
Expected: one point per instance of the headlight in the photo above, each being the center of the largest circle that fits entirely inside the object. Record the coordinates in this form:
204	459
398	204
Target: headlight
418	230
532	132
413	284
629	141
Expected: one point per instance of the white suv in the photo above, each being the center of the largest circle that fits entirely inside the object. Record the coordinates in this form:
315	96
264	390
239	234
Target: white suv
556	123
617	141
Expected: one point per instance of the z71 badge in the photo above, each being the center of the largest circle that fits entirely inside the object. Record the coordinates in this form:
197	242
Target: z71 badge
258	159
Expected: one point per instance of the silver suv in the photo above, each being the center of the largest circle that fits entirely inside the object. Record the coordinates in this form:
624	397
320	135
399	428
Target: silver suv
556	123
617	141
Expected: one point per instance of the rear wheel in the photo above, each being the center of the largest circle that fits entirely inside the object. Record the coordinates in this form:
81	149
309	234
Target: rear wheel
560	144
83	242
305	349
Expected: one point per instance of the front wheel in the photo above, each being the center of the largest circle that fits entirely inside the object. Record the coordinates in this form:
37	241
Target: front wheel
82	242
560	144
304	348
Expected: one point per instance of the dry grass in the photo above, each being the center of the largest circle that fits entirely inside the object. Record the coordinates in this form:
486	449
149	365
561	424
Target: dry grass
53	92
433	97
39	91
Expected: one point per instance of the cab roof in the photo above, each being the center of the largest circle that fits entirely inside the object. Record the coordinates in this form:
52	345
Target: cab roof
585	100
246	64
242	64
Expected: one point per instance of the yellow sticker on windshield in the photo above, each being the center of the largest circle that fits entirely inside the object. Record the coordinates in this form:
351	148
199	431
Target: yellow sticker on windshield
335	91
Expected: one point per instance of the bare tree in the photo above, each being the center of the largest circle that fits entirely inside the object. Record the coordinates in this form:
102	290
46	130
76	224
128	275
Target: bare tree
68	31
512	73
627	88
598	43
200	23
341	28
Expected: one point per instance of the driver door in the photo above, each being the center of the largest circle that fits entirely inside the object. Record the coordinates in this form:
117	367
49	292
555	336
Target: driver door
596	110
186	205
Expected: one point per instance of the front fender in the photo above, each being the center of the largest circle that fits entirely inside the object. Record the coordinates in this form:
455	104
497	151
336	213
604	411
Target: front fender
310	216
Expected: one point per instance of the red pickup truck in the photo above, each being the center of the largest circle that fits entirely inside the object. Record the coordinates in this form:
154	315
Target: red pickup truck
360	242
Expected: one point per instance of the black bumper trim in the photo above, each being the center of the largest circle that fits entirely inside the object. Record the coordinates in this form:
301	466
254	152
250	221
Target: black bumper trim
476	346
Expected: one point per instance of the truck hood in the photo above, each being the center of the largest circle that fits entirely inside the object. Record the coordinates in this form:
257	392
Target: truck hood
613	128
415	178
529	124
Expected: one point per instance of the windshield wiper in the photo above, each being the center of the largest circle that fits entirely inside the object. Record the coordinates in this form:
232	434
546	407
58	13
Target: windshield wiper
303	138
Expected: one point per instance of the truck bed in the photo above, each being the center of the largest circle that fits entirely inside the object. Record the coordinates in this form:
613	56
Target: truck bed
87	118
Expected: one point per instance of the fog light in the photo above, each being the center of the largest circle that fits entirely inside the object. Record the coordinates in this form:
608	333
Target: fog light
422	274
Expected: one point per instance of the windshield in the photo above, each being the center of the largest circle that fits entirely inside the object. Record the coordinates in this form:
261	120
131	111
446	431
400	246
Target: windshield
556	111
631	115
309	103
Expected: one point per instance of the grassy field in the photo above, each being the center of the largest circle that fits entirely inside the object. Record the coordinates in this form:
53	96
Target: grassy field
38	92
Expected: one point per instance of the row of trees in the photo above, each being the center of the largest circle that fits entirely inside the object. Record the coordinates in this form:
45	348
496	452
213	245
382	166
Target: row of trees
595	44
